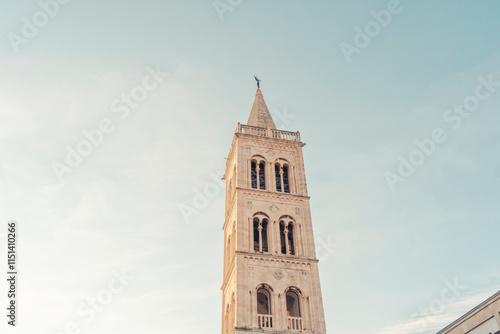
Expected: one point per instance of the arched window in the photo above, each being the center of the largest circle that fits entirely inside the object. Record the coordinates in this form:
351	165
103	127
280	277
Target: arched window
287	235
293	310
282	176
263	301
264	308
260	224
292	304
258	174
286	186
254	174
277	173
262	176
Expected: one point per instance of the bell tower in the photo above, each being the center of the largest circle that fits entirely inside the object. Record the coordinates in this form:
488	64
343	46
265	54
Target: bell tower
270	276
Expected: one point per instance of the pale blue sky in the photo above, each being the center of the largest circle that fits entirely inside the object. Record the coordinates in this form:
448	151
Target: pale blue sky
386	256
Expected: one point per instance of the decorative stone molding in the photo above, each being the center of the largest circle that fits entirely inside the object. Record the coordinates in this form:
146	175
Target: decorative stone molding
274	208
267	196
282	261
272	143
278	275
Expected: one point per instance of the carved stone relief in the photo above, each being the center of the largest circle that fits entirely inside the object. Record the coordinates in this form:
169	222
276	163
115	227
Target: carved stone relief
273	208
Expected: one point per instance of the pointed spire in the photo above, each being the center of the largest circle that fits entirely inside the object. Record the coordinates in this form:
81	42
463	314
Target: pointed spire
260	116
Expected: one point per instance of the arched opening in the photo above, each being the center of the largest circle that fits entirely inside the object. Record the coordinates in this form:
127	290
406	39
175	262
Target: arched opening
258	174
292	304
282	175
286	185
256	234
262	176
293	310
264	308
264	235
260	225
263	301
287	237
291	245
277	174
282	237
253	174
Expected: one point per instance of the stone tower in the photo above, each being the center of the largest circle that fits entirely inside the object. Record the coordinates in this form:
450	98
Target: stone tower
270	279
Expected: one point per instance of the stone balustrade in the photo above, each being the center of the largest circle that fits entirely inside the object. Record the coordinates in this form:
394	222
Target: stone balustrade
265	321
270	133
295	323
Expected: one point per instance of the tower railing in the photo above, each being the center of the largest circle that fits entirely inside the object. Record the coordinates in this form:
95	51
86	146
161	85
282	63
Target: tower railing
265	321
295	323
270	133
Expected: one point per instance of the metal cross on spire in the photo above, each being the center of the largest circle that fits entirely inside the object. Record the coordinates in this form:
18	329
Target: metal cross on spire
258	81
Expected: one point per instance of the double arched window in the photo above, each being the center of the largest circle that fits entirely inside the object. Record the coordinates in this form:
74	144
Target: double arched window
258	173
282	176
264	237
265	314
260	229
287	235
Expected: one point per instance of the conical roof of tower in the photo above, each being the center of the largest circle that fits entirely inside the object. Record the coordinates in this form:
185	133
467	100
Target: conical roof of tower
260	115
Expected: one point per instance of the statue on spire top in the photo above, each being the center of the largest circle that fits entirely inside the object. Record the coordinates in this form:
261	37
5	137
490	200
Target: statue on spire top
258	81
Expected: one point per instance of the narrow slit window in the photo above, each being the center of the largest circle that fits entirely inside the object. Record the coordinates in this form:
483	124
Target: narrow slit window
282	237
254	174
277	173
286	184
291	246
264	236
262	177
256	239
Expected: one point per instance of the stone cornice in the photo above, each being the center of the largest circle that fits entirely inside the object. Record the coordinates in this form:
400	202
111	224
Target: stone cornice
268	194
280	258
